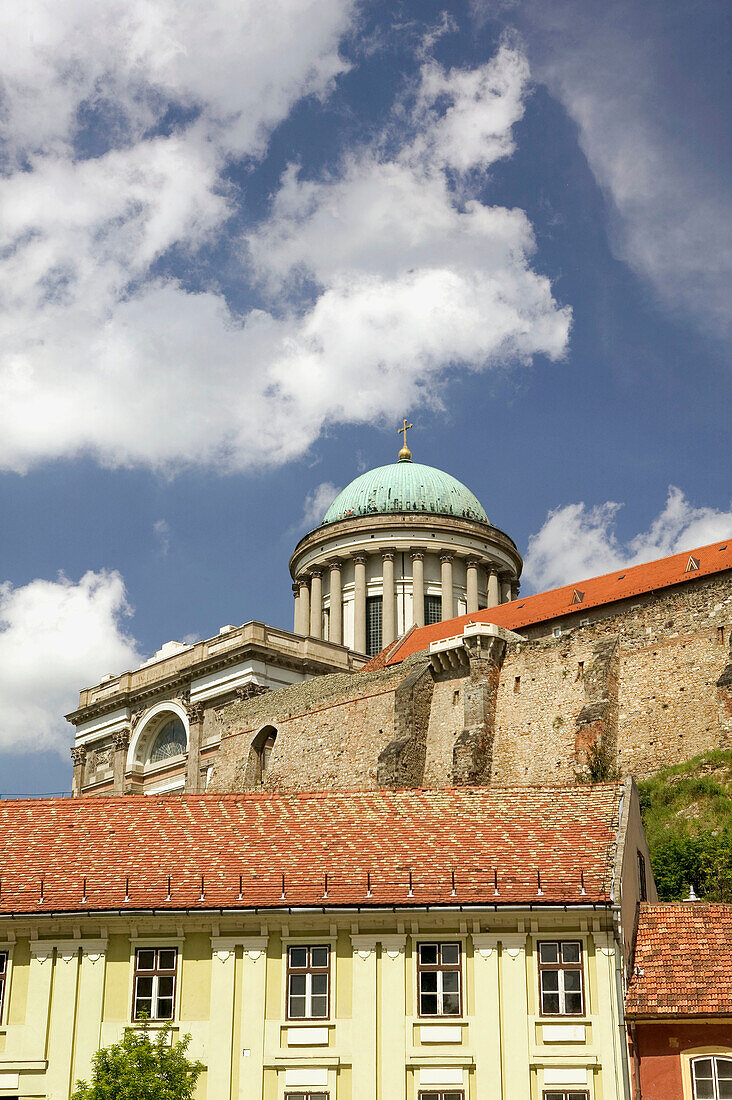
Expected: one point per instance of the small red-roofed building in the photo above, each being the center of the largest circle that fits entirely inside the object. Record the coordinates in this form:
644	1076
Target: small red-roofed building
679	1002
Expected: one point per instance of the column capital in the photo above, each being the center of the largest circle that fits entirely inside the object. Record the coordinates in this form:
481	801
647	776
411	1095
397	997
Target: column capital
295	589
388	553
335	563
78	755
316	571
447	556
417	553
304	580
360	557
472	563
121	739
195	712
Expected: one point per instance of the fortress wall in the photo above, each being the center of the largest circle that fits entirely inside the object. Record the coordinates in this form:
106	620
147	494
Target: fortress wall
330	731
540	695
644	686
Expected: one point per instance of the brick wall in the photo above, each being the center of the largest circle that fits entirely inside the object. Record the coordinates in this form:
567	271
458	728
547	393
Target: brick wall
645	687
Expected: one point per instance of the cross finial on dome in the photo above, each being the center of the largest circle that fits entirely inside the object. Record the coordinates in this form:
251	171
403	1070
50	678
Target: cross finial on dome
405	455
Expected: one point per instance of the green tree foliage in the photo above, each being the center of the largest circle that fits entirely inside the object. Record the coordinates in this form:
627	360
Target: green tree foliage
141	1068
687	813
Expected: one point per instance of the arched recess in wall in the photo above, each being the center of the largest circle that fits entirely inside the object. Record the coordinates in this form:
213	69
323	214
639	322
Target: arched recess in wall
262	749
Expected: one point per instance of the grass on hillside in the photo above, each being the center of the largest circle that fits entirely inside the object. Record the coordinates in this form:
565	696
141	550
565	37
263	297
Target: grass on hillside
687	813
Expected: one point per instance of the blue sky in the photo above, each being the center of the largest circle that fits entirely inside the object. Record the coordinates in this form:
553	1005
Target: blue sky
237	247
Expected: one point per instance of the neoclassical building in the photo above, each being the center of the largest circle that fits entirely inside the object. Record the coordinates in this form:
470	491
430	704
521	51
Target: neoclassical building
402	545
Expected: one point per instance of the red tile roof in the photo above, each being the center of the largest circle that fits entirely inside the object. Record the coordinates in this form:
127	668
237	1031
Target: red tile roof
683	961
65	855
596	592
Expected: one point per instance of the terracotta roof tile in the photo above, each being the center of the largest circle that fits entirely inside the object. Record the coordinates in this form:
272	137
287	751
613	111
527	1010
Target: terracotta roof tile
596	592
683	961
63	855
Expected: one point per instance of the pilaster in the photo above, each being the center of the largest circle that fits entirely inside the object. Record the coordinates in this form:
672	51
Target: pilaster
514	1016
364	1018
487	1017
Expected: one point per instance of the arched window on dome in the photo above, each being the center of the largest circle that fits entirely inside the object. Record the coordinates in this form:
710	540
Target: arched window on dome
263	747
169	741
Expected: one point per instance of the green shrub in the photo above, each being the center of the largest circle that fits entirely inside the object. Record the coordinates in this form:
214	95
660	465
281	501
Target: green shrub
138	1068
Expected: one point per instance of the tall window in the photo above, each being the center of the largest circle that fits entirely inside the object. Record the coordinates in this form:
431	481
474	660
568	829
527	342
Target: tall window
3	977
155	970
373	625
642	886
438	969
712	1078
308	983
560	978
432	610
263	746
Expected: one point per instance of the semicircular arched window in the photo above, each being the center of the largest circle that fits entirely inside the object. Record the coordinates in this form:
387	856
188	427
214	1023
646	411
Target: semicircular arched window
170	741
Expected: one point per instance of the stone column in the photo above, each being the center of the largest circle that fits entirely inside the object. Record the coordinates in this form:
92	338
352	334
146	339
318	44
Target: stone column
515	590
304	602
388	626
121	743
316	604
448	610
418	587
494	597
296	620
78	756
359	606
336	604
195	731
471	567
505	589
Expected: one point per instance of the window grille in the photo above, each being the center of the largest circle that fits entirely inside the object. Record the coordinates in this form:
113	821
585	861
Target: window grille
553	1094
373	625
170	741
432	610
441	1094
306	1096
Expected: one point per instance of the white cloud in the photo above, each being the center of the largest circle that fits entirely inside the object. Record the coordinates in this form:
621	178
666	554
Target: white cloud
317	503
161	530
55	637
413	279
669	202
576	541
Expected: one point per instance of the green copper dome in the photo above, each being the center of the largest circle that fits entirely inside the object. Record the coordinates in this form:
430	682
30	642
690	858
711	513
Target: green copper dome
405	486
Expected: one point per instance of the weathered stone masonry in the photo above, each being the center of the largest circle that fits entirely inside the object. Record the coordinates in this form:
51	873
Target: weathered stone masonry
648	684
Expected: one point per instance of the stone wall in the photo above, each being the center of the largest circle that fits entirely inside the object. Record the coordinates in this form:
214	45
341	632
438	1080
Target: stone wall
647	686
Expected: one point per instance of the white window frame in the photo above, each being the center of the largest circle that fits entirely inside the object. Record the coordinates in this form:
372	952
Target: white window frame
155	943
155	995
560	970
713	1058
308	1017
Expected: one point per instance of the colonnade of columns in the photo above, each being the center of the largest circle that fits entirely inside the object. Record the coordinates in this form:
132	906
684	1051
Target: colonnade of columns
308	593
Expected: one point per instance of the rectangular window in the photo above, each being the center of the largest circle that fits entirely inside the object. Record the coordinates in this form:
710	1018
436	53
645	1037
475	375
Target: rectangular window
3	978
308	983
438	971
642	887
373	625
306	1096
712	1078
441	1094
560	978
155	972
432	610
553	1094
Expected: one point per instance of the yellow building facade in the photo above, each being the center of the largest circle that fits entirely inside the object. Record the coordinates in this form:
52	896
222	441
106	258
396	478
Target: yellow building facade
442	1000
